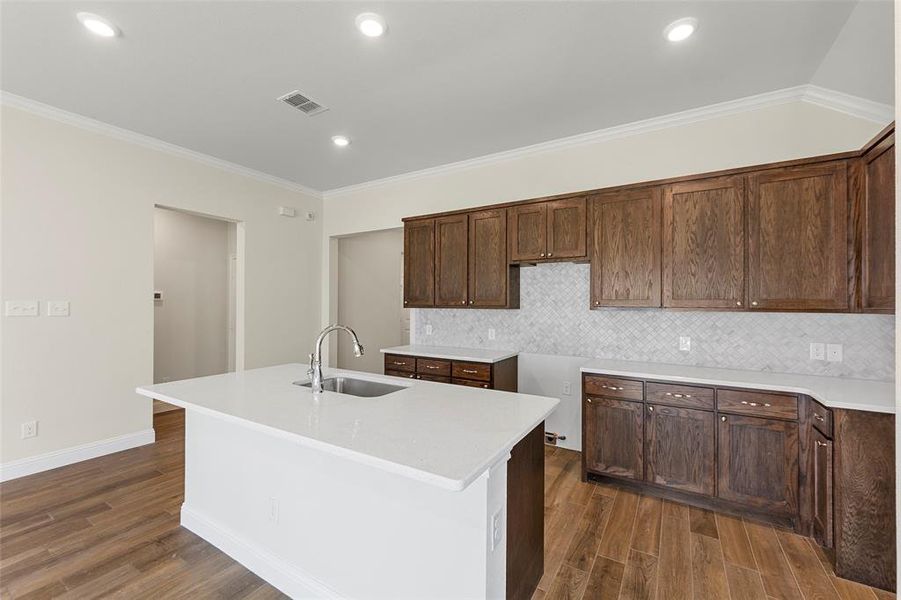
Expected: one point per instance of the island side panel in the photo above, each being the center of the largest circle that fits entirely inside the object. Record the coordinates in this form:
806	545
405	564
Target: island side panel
525	515
339	528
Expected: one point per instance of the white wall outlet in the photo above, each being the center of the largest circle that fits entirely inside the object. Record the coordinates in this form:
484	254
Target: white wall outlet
834	352
29	429
492	333
21	308
817	351
428	329
567	388
57	308
684	343
273	510
497	529
287	211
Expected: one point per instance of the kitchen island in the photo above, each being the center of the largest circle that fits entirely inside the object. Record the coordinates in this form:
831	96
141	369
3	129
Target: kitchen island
431	491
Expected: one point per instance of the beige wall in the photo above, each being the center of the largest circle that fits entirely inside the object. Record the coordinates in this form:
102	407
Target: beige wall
77	210
370	298
190	269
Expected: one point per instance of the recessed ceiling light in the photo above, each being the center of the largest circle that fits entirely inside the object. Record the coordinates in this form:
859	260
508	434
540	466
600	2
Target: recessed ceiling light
97	25
371	24
681	29
341	141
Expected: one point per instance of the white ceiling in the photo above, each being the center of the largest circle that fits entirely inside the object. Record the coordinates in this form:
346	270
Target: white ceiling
450	80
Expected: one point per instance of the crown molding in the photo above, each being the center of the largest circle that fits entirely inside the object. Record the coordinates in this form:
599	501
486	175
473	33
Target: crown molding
838	101
69	118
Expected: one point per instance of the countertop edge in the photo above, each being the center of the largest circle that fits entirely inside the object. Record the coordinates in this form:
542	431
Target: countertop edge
815	394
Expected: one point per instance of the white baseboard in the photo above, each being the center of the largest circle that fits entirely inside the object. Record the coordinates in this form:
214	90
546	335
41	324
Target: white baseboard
288	578
67	456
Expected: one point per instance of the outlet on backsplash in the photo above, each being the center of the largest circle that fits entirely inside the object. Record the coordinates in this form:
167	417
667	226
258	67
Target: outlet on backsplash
491	333
428	329
834	352
684	343
817	351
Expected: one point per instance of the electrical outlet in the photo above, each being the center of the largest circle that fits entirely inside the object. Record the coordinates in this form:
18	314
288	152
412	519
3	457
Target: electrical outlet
497	529
273	510
21	308
567	388
491	333
57	308
684	343
428	329
29	429
834	352
817	351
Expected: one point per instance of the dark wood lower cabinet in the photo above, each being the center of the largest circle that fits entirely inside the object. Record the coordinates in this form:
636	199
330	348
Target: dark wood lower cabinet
614	437
500	375
680	448
821	487
758	463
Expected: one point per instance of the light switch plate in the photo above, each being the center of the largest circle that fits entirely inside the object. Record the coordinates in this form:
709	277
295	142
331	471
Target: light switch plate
567	388
57	308
22	308
817	351
684	343
834	352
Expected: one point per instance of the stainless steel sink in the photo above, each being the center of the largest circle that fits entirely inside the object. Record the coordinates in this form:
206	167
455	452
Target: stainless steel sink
355	387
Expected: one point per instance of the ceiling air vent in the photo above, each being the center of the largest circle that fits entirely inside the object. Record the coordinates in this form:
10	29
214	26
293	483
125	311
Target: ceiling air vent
297	100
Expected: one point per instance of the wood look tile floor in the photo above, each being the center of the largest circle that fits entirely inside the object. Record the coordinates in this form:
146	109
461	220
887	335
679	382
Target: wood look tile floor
108	528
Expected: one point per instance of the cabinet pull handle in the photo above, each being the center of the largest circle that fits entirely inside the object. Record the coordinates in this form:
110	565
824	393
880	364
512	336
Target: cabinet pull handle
650	409
470	371
588	400
550	254
419	377
397	362
470	302
821	444
541	255
753	302
406	301
766	404
738	303
723	419
484	385
819	418
678	395
431	367
611	387
412	375
463	302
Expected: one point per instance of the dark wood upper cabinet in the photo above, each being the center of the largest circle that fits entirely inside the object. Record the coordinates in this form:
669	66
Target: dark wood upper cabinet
877	227
614	438
528	232
451	260
419	263
758	463
566	228
797	238
704	244
681	448
625	249
492	283
821	487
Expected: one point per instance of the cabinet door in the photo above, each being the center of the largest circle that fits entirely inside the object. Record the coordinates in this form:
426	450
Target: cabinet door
758	463
704	244
488	271
566	228
681	448
419	263
625	249
821	480
614	437
877	223
451	260
797	238
528	230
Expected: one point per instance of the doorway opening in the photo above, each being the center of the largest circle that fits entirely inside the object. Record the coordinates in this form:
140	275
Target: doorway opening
195	298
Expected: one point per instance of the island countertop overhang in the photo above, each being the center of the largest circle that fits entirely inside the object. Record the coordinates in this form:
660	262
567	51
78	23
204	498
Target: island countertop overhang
436	433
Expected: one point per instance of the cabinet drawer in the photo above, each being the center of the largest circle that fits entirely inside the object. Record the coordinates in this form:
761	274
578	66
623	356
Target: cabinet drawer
435	378
395	362
820	417
611	387
689	396
471	383
430	366
400	374
470	370
760	404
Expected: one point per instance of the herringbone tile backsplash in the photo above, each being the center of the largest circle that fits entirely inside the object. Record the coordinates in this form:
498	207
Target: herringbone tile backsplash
554	319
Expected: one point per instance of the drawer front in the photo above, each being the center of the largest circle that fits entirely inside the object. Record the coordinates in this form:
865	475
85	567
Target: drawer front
400	374
758	404
432	367
396	362
820	417
435	378
689	396
471	383
470	370
612	387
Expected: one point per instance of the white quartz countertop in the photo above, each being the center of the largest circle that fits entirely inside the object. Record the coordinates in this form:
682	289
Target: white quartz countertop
471	354
834	392
445	435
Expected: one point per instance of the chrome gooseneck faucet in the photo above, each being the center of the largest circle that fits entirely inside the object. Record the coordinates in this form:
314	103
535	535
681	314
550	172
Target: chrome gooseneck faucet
315	371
